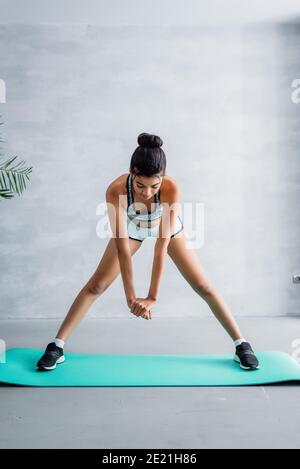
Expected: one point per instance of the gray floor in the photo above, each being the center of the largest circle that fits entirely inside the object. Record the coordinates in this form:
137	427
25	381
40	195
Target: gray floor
152	417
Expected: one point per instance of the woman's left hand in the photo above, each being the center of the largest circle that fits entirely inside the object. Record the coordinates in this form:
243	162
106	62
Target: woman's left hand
142	305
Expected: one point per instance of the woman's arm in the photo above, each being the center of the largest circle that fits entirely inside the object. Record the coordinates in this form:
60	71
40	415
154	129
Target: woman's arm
120	235
157	269
127	276
171	208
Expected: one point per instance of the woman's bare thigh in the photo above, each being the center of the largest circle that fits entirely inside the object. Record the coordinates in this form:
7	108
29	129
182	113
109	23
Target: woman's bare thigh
186	259
109	267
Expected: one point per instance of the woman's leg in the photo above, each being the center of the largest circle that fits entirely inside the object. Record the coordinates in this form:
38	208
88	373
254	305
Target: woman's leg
187	261
106	272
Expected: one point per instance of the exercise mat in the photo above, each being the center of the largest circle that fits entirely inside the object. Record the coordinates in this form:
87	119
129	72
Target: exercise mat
18	367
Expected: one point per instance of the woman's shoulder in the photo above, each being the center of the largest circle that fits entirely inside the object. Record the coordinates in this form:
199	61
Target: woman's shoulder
118	185
170	183
118	188
167	188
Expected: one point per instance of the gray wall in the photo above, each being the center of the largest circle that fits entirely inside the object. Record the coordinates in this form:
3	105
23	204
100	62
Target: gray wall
78	96
143	12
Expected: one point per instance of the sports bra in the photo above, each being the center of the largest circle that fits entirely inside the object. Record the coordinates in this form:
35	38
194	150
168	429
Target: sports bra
136	215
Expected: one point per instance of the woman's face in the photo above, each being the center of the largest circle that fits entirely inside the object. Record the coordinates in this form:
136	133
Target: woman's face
146	187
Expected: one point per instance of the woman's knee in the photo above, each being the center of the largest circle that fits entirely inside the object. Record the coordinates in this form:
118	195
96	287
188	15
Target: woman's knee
96	288
204	289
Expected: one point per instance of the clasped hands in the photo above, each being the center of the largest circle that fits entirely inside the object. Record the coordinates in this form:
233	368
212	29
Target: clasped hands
141	307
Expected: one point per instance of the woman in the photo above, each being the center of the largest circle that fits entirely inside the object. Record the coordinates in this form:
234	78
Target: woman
134	195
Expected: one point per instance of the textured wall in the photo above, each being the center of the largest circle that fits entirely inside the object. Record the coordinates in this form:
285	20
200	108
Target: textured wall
78	96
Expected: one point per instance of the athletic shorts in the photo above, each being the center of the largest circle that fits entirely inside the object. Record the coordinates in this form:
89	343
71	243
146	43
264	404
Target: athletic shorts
139	234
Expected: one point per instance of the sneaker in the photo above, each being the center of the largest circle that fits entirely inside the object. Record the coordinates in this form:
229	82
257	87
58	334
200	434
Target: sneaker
51	357
245	356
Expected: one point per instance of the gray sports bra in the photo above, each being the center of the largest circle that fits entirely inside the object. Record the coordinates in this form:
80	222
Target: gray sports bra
137	215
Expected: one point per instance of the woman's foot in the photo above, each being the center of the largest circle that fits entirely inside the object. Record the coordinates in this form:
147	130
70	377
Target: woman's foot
245	356
51	357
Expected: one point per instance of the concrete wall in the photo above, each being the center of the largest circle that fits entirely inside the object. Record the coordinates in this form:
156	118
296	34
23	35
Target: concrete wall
77	97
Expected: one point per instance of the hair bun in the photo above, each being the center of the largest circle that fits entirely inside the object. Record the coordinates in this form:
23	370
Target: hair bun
146	140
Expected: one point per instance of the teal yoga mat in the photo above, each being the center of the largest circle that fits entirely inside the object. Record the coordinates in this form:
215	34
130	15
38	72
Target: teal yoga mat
84	369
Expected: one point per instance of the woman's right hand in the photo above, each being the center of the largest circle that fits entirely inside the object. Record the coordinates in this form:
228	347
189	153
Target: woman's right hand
130	301
147	315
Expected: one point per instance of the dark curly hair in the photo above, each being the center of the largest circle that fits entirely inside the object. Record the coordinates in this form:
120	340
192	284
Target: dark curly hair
148	158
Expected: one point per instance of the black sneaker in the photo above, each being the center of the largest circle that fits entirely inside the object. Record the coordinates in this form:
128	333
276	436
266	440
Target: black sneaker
245	356
51	357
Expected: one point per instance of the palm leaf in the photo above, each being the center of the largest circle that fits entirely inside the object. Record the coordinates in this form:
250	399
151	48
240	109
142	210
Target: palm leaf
6	194
13	177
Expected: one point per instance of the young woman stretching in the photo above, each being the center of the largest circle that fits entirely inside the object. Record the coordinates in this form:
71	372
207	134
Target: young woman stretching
130	199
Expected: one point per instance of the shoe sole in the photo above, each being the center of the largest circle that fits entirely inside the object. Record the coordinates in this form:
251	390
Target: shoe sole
236	359
60	360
